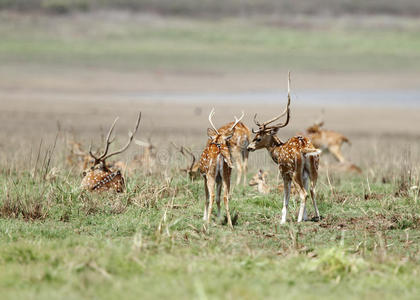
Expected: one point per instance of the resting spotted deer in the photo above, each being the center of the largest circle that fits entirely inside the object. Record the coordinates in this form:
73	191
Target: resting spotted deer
77	157
216	167
192	170
101	177
297	159
260	180
238	147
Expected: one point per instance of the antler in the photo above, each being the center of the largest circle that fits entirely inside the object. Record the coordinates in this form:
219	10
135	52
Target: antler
211	122
237	121
105	154
182	150
190	153
286	111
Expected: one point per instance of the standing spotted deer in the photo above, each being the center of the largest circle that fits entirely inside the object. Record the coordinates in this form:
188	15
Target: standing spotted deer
238	147
101	177
216	167
297	159
327	140
331	141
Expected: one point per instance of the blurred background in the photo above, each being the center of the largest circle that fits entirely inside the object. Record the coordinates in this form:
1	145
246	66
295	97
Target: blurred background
72	66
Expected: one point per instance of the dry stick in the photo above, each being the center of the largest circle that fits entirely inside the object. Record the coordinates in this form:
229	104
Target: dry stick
50	154
329	183
37	158
367	180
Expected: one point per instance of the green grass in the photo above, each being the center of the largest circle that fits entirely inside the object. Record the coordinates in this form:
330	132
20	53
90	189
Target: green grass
149	242
226	45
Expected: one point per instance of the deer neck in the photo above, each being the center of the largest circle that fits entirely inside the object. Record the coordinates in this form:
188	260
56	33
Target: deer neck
273	147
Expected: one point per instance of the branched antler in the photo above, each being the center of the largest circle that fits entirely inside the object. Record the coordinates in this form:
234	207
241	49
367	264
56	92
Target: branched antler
286	111
237	121
211	122
108	142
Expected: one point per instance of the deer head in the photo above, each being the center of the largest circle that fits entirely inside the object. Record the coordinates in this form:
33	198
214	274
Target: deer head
100	177
215	136
266	132
192	169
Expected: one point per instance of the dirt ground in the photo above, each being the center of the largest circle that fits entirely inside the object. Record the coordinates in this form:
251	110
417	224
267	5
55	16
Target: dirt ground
83	104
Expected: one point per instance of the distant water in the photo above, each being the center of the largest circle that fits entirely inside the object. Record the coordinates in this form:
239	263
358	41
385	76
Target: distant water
405	98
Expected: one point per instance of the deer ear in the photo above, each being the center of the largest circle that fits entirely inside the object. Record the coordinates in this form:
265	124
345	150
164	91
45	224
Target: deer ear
211	133
228	135
274	131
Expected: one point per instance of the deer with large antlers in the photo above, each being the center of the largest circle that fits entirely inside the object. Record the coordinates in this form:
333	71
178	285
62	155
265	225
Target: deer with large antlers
297	159
238	144
216	167
101	177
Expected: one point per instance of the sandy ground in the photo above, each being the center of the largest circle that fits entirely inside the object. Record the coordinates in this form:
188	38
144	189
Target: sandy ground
83	104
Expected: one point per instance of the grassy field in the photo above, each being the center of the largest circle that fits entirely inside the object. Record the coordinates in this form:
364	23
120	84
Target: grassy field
136	42
61	242
69	76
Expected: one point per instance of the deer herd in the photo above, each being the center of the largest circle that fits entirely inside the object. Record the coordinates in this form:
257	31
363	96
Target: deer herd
227	147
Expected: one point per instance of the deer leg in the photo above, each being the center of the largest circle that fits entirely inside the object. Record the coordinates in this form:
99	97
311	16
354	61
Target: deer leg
313	200
226	188
336	152
245	164
302	193
313	174
239	170
287	185
306	186
206	204
218	192
210	186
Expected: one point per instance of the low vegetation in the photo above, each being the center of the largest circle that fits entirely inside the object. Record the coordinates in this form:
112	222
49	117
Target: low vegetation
139	42
149	242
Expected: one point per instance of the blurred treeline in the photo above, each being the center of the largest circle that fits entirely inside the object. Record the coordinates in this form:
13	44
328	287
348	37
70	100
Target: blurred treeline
223	8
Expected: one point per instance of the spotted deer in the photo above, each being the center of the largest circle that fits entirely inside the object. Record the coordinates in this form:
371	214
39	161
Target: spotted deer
101	177
216	167
327	140
297	159
331	141
260	181
77	156
238	147
192	170
147	159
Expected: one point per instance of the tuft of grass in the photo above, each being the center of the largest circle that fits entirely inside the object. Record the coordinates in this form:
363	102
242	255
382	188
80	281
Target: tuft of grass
335	264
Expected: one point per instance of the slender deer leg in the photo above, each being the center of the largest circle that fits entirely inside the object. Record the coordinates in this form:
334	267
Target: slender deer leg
314	177
303	194
245	165
210	186
206	204
226	187
313	194
239	171
287	185
218	192
306	185
336	152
